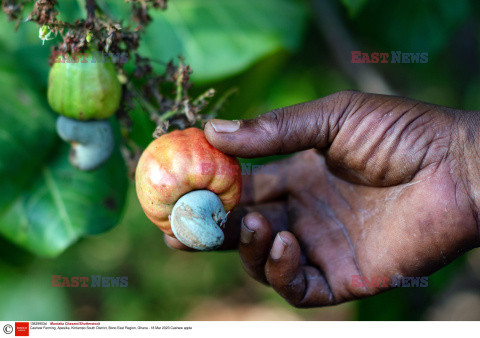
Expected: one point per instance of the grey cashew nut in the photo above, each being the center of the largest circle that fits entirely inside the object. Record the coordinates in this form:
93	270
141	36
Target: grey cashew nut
92	141
197	220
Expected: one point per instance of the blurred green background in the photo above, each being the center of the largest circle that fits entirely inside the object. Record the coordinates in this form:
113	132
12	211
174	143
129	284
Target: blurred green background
55	220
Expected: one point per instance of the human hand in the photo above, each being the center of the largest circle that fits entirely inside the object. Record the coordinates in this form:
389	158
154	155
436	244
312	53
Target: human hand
384	186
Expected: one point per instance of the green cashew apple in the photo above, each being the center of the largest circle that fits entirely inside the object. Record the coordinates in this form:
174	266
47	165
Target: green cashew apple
85	89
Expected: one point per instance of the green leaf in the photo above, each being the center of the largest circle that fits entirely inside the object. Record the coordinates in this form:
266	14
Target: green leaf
142	127
27	132
65	204
219	38
354	6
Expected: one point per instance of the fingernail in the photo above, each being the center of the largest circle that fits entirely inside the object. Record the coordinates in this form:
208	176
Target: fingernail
278	247
225	126
246	234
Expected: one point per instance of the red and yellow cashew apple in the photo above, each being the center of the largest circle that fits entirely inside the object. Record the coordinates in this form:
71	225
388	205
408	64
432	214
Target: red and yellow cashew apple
187	187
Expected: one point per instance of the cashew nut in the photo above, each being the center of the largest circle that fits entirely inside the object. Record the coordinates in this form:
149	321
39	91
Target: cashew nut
92	141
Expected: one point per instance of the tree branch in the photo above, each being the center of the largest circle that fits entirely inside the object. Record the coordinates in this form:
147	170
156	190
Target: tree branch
91	6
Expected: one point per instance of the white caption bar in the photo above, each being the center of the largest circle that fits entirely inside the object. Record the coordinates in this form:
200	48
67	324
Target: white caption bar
235	329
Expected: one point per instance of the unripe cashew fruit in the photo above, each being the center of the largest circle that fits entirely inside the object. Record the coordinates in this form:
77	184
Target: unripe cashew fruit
92	141
187	187
84	90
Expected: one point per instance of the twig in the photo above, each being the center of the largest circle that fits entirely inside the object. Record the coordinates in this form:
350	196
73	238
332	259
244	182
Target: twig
202	100
91	6
179	83
167	115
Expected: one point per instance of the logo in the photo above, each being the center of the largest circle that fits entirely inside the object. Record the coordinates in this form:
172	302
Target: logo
8	329
386	282
246	168
395	56
21	328
94	57
82	281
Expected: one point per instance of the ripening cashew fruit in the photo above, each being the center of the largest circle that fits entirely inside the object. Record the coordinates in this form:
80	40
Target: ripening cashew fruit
91	142
84	90
80	88
187	187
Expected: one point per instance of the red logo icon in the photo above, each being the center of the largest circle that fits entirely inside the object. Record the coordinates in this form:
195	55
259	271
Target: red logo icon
21	328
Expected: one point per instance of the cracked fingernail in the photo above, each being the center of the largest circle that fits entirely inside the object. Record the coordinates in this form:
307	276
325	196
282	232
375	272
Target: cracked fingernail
225	126
246	234
278	247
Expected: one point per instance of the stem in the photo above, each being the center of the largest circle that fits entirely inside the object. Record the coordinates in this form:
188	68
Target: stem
91	6
179	84
168	114
200	101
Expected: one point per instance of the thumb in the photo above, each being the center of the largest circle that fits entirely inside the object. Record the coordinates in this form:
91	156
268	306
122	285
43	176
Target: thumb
286	130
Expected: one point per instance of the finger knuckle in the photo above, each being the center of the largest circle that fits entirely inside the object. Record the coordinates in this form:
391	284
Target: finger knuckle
275	123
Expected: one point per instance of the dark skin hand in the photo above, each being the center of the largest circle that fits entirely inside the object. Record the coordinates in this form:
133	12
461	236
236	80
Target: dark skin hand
381	186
